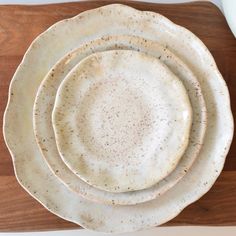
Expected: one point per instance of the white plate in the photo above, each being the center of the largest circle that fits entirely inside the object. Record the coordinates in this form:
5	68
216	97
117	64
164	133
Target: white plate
33	173
45	99
121	120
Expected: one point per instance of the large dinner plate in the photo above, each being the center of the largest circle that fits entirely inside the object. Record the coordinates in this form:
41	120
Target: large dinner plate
33	173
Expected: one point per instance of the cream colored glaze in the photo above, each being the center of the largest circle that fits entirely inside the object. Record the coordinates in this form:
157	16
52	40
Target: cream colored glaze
122	120
46	97
33	173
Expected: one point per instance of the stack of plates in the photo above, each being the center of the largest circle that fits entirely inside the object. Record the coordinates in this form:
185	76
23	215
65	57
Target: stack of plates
117	119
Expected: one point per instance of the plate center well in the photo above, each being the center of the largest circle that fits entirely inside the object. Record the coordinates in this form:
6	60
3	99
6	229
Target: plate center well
115	118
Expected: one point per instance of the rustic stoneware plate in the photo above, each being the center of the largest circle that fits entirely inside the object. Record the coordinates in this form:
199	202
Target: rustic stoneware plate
122	120
45	99
34	174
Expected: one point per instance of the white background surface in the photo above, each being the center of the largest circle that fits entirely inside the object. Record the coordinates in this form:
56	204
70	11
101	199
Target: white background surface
54	1
158	231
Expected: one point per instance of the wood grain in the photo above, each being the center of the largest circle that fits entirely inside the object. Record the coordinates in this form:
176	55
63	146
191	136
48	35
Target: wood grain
19	25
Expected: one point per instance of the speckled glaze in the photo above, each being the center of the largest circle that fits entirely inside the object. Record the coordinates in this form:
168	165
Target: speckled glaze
118	124
32	171
45	99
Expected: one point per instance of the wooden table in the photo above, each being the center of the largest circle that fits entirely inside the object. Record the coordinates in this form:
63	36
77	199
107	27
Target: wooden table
19	25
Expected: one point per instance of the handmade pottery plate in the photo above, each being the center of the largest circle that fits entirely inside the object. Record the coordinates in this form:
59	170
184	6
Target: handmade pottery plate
33	173
45	99
122	120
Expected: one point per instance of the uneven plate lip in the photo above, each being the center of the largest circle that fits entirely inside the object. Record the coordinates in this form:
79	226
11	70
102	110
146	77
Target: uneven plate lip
179	28
162	189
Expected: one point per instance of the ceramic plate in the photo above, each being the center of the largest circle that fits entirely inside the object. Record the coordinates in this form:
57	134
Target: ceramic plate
33	173
45	99
122	120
